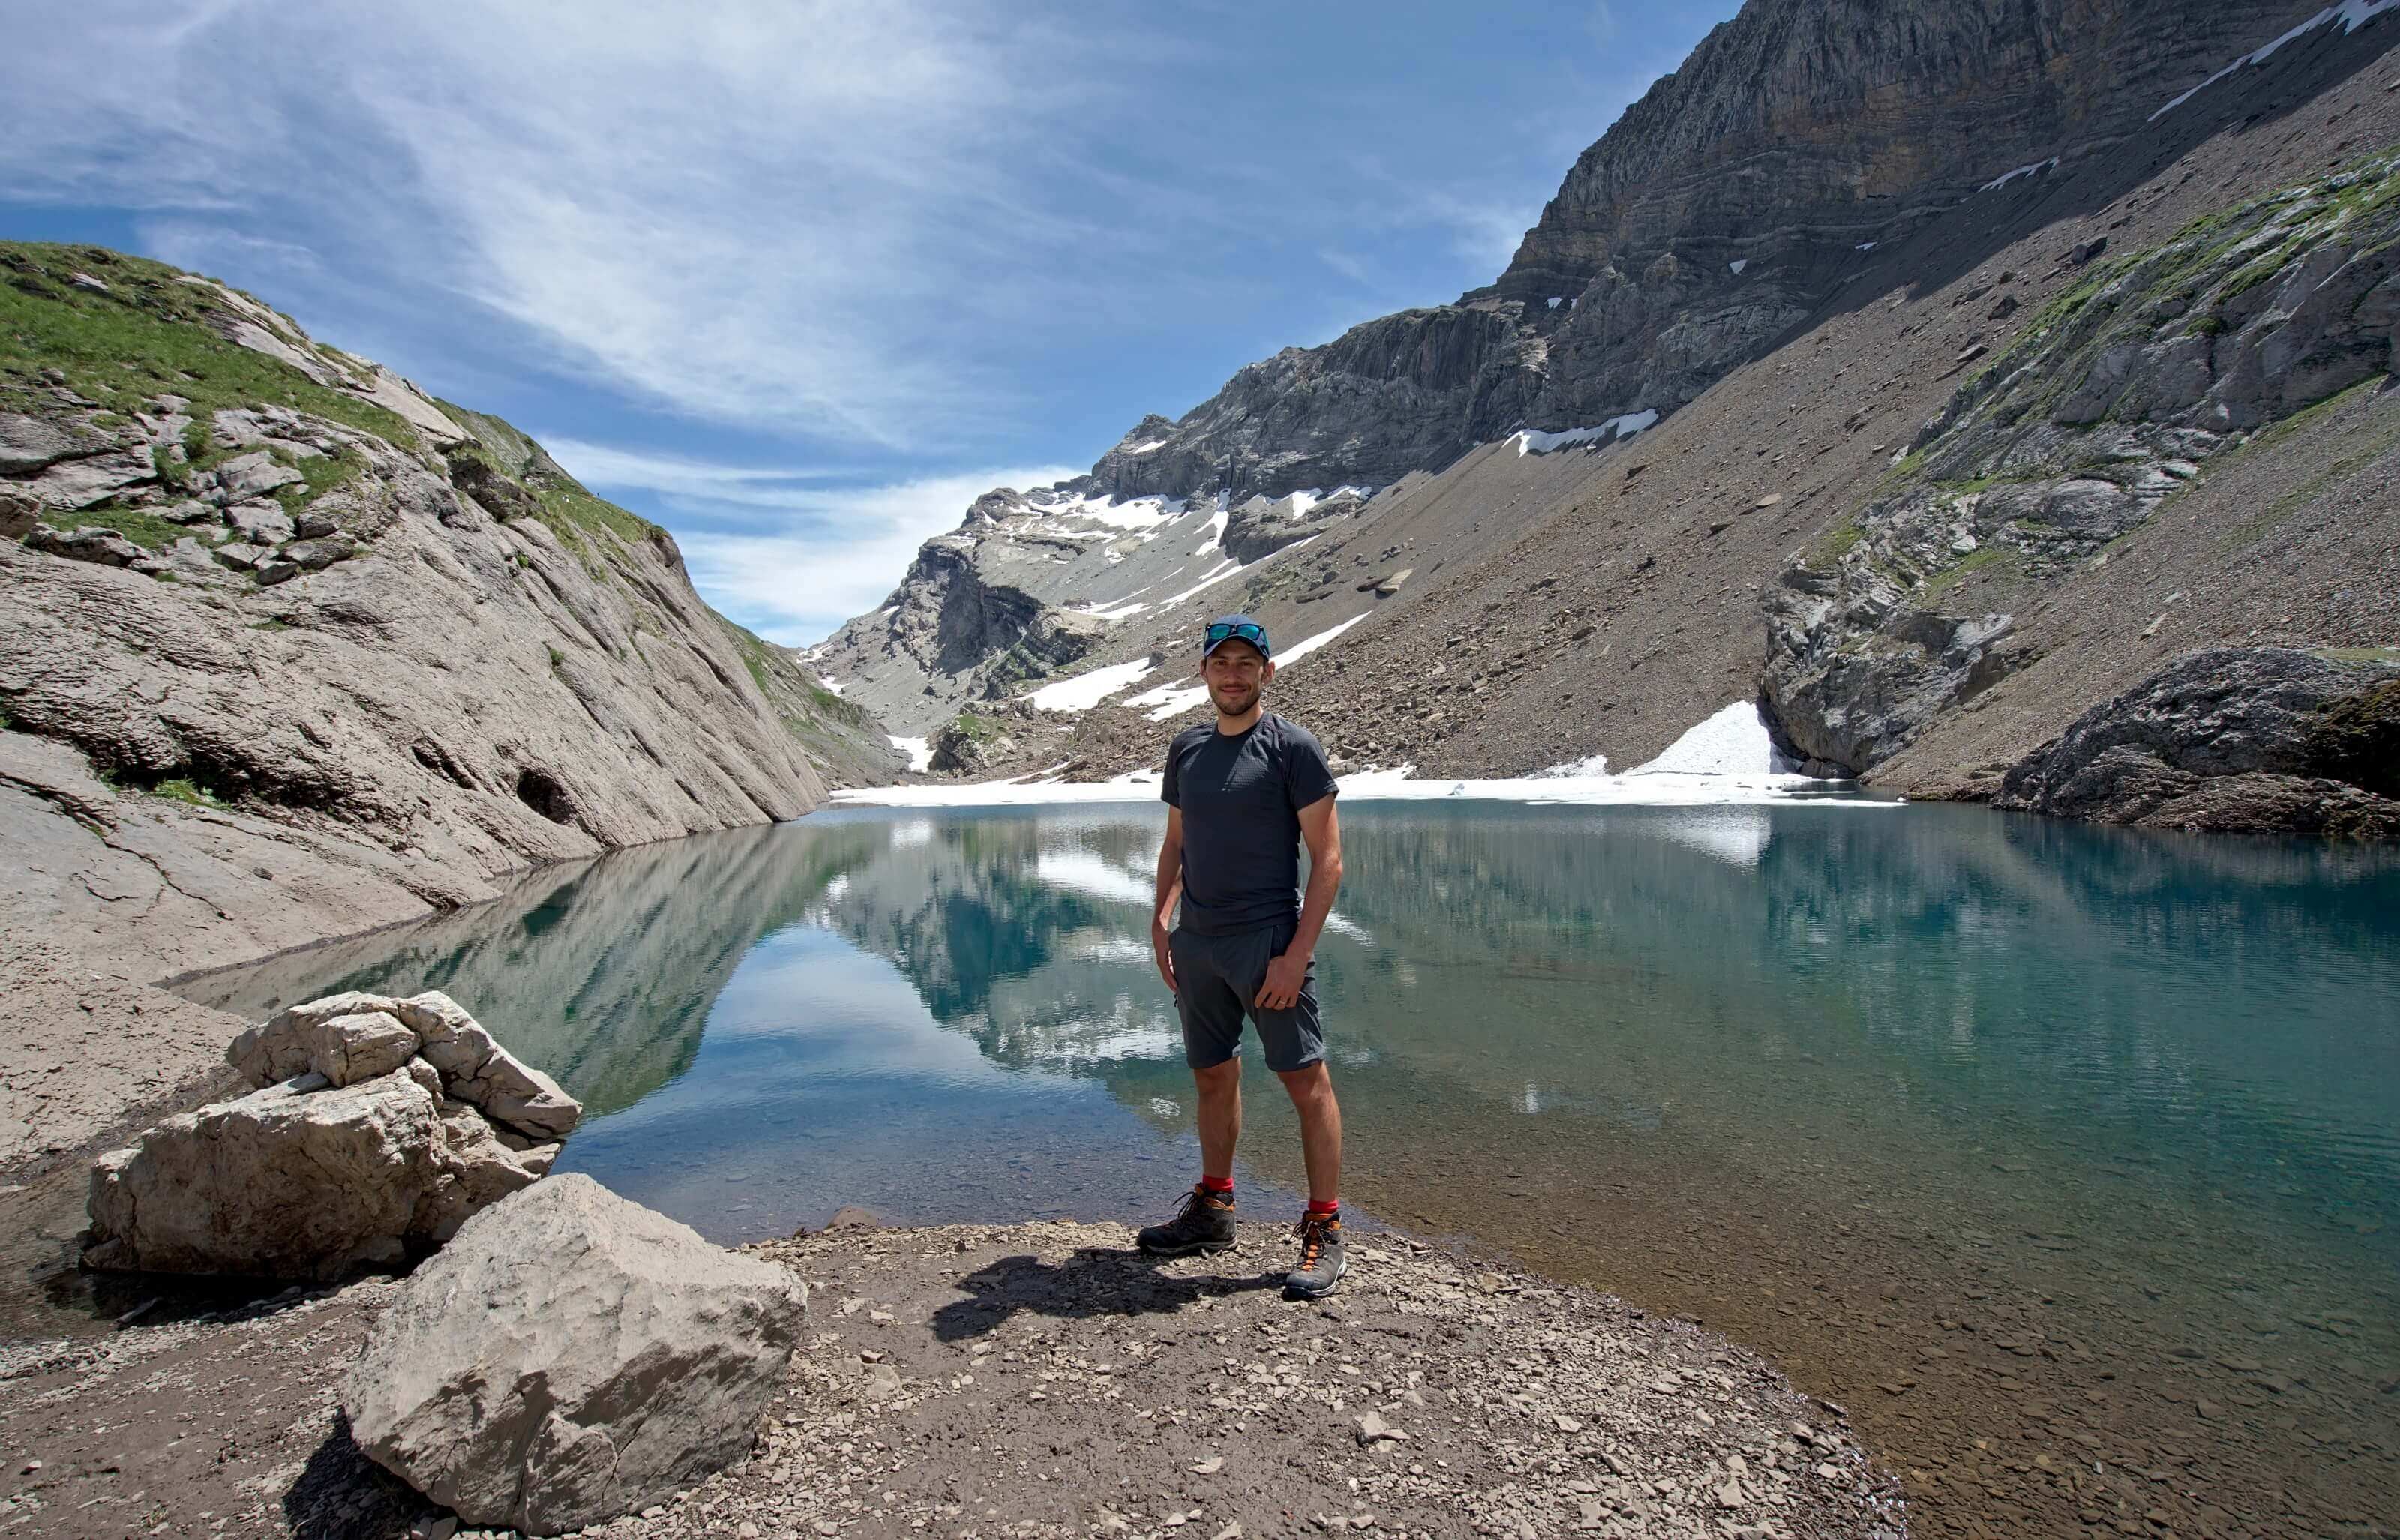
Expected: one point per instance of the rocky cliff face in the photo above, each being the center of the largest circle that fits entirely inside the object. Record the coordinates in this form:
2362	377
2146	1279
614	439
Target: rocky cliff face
261	593
1766	182
2115	398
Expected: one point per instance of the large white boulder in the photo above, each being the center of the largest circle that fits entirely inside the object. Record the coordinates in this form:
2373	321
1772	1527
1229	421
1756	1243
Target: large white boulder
569	1357
300	1179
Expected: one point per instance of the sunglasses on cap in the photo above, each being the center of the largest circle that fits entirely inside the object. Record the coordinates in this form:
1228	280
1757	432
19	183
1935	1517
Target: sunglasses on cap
1243	630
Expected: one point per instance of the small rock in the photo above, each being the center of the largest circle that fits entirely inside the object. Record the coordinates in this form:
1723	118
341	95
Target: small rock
1372	1429
883	1381
1566	1423
1210	1467
1230	1532
85	282
1730	1495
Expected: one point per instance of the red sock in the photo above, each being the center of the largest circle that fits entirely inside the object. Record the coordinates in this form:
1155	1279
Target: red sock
1331	1207
1222	1186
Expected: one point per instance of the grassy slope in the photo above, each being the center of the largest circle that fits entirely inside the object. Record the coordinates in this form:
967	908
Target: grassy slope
147	335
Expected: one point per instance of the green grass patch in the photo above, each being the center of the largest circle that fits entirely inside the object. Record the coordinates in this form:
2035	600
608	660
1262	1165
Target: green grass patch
145	336
2358	654
557	659
186	791
978	729
138	524
1977	560
1835	543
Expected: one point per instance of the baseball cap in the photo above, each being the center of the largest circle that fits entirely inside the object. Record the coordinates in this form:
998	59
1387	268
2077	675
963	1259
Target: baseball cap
1231	628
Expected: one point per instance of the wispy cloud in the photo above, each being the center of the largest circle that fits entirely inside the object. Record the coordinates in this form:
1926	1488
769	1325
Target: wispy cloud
789	216
781	551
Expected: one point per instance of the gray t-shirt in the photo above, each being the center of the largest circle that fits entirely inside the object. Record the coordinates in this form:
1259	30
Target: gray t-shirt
1241	797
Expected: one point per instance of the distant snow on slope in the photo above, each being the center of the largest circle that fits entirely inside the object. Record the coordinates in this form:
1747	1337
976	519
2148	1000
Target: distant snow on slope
2351	14
1214	535
1174	699
833	685
1223	570
2004	179
1148	446
1083	691
1733	742
918	750
1738	266
1324	638
1575	769
1532	441
1170	700
1140	515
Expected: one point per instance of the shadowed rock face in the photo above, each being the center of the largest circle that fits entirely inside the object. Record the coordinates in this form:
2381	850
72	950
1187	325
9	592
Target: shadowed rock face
2232	738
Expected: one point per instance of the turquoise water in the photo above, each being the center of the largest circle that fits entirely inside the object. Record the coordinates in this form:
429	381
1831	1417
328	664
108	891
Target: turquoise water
1843	1080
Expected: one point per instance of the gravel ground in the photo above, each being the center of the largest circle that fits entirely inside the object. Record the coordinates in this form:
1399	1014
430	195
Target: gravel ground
1035	1380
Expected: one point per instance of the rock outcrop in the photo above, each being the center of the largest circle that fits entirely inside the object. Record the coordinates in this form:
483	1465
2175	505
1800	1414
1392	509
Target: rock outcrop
2113	400
2232	739
379	1127
267	580
569	1357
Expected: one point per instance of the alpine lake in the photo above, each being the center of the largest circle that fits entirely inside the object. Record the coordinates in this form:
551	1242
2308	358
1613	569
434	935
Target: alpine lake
2066	1161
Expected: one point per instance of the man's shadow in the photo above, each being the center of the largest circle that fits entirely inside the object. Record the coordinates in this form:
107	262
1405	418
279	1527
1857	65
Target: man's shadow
1095	1281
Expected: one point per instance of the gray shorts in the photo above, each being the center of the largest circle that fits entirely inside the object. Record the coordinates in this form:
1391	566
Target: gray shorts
1216	978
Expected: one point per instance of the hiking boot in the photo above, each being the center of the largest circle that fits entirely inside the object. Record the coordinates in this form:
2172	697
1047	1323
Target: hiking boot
1205	1223
1321	1259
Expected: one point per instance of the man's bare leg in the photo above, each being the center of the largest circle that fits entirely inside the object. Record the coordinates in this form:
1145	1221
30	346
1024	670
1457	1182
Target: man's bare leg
1220	1117
1320	1128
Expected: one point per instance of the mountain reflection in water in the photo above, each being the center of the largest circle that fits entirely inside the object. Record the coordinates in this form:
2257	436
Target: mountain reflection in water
2043	1121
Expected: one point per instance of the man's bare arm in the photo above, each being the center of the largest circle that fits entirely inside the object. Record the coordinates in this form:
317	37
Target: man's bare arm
1322	829
1170	884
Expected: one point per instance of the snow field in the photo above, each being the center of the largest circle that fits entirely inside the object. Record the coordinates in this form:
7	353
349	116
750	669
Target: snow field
1084	692
2351	14
1532	441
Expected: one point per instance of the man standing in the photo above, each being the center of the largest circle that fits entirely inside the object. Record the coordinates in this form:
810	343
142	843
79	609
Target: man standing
1241	794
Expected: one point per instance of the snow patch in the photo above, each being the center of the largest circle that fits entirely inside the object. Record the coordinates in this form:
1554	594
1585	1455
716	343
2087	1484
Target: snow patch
1575	769
1150	448
1223	570
1555	301
2034	169
1398	785
918	750
1323	638
1532	441
834	685
1086	690
1118	611
1738	266
1171	699
1138	514
1216	536
1864	246
2351	14
1733	742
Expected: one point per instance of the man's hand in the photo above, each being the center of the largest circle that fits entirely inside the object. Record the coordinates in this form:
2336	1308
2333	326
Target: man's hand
1164	950
1286	974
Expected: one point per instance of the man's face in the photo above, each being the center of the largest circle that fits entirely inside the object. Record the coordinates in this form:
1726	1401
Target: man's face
1236	673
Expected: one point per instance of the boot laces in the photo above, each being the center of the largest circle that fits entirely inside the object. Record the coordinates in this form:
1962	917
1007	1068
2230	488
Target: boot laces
1313	1230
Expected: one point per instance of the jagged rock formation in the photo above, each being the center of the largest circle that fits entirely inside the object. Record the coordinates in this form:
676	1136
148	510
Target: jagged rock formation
2112	400
2232	739
270	594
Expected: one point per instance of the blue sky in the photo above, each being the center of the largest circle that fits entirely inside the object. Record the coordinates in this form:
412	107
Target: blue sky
798	281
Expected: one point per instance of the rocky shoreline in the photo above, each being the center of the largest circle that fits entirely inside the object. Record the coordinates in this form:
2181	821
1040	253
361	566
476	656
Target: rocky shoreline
1029	1380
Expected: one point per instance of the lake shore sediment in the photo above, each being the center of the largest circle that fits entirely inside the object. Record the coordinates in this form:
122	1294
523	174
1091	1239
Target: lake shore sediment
1034	1380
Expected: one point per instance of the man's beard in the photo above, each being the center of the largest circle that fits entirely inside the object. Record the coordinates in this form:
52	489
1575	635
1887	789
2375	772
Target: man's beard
1243	699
